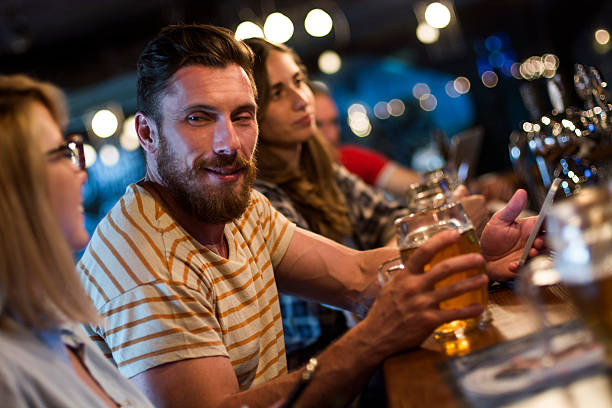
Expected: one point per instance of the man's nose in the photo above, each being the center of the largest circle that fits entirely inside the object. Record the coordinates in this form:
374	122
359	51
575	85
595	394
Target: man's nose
225	140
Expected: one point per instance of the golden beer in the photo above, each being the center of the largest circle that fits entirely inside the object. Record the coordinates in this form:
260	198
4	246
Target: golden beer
467	243
594	302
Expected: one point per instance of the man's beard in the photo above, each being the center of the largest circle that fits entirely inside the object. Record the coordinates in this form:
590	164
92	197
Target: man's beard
213	205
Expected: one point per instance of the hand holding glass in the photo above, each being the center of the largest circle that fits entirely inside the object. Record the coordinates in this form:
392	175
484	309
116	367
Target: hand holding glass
413	230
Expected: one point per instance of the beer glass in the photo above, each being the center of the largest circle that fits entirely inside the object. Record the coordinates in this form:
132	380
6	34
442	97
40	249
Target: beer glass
580	234
450	175
429	194
413	230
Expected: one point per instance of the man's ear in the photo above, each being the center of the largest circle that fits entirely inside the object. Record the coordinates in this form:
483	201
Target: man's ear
147	132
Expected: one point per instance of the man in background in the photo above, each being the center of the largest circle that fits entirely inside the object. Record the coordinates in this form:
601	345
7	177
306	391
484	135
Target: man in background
371	166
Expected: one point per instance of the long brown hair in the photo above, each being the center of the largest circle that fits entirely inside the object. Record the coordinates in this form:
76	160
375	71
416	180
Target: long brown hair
312	187
39	286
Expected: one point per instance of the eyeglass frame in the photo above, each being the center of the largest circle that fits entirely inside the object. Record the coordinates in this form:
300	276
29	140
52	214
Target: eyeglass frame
73	145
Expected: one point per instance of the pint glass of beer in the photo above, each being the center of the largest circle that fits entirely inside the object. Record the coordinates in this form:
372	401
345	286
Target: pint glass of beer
413	230
580	235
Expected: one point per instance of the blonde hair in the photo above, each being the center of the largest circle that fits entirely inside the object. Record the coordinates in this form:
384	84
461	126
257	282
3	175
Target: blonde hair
39	286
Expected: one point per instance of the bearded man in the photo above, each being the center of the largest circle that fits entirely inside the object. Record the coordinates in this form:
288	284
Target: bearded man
185	267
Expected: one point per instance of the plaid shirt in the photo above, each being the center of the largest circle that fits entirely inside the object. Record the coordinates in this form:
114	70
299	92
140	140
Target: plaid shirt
371	215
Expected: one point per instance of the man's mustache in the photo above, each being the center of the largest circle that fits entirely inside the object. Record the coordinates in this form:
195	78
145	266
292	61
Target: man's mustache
236	161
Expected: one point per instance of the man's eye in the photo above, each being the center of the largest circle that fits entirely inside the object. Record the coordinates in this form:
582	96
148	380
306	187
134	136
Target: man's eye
198	118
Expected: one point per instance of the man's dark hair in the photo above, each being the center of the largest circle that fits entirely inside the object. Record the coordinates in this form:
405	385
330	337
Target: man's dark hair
177	46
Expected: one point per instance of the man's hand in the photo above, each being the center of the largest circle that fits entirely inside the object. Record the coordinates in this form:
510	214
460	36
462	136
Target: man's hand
406	310
504	237
475	207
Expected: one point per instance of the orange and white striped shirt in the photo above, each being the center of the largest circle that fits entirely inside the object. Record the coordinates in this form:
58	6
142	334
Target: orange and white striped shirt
165	297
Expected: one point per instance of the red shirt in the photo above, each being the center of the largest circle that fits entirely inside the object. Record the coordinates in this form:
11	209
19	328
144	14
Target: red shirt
365	163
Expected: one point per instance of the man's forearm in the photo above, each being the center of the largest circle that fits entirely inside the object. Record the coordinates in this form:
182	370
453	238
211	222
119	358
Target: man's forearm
356	353
329	272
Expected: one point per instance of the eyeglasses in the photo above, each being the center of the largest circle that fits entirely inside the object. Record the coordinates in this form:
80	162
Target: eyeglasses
71	149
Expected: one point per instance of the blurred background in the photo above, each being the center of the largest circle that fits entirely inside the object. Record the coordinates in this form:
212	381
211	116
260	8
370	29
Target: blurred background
407	75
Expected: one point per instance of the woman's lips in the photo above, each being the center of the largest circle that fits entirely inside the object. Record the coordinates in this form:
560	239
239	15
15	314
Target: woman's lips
304	121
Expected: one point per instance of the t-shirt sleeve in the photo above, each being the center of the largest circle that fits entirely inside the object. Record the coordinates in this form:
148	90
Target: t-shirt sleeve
365	163
158	323
277	229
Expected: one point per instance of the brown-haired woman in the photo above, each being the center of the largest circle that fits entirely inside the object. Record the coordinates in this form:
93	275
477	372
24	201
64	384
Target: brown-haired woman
300	178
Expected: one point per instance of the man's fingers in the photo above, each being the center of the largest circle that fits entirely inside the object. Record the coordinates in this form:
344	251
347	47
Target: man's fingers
514	207
538	243
460	314
423	255
454	265
460	287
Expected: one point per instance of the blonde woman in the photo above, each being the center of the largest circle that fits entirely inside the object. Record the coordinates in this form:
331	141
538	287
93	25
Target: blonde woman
45	358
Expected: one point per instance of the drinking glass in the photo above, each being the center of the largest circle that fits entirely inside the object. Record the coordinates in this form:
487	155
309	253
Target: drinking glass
429	194
580	234
412	231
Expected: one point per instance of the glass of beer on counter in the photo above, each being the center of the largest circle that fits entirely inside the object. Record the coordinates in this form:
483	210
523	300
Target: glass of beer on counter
413	230
580	235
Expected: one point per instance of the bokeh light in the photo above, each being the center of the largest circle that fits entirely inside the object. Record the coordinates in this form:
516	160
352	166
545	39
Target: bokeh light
396	107
109	155
551	61
419	89
437	15
318	23
493	43
278	28
536	67
428	102
129	138
515	70
329	62
90	155
358	120
427	34
489	79
248	29
359	123
450	90
356	107
602	36
104	123
462	85
381	111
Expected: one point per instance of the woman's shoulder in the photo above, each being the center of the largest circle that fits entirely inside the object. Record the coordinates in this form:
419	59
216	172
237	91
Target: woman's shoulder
273	192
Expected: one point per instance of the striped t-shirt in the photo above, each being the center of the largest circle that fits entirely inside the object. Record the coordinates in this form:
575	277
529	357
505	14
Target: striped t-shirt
165	297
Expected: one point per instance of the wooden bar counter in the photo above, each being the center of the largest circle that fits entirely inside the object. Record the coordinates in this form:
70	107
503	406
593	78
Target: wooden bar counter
412	379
